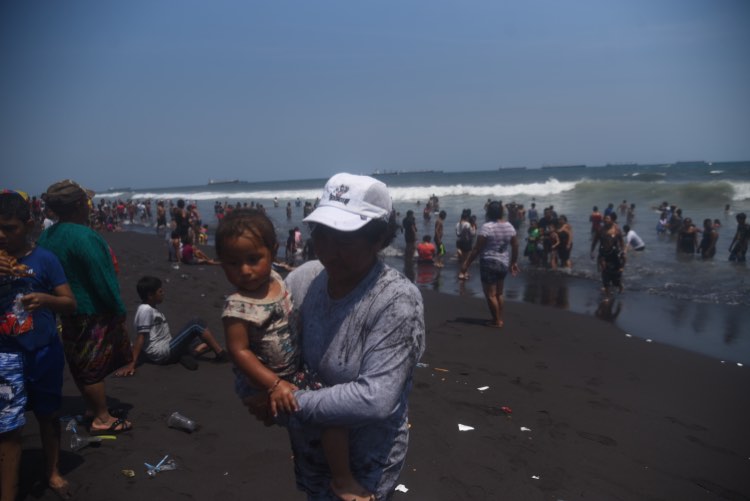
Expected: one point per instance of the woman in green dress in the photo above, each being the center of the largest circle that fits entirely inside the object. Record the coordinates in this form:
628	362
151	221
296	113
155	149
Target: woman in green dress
94	337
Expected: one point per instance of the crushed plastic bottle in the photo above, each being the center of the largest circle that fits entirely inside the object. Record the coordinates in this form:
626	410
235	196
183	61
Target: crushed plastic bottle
78	442
163	465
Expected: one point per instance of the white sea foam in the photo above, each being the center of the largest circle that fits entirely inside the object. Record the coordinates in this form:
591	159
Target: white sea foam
741	191
550	187
399	193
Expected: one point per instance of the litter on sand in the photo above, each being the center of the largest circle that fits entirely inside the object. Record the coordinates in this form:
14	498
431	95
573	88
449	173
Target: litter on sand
402	488
463	427
483	388
162	465
535	477
441	370
523	428
78	442
71	425
506	410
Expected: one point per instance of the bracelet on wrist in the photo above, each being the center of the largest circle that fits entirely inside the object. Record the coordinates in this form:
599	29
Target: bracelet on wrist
274	386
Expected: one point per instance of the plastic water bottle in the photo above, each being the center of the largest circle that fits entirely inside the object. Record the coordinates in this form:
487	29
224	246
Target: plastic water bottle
19	311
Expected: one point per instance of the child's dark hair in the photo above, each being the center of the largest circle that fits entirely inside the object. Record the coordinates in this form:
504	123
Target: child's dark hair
241	221
13	204
426	238
147	285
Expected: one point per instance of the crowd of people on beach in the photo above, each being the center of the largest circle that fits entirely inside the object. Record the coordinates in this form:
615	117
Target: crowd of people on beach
549	242
68	276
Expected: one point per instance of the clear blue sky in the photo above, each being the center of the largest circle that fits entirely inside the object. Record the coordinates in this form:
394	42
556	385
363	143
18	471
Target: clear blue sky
154	93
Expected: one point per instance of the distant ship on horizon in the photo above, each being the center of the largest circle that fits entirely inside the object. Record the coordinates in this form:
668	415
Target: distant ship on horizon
223	181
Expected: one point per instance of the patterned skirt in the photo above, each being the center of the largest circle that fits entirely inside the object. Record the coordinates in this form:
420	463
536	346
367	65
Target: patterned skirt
95	346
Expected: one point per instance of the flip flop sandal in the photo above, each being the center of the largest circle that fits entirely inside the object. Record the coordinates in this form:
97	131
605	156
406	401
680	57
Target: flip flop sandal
120	425
85	420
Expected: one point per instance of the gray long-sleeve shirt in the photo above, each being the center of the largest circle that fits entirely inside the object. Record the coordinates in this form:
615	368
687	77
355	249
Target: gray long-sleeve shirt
364	347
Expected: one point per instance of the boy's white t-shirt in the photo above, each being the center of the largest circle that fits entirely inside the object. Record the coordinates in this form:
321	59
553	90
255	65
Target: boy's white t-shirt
634	240
156	342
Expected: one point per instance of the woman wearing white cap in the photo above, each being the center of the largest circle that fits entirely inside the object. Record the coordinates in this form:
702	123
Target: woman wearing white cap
362	333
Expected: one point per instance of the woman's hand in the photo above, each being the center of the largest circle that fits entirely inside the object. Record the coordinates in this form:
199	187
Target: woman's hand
281	398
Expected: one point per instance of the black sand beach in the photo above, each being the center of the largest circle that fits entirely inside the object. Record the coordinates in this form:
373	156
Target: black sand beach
595	414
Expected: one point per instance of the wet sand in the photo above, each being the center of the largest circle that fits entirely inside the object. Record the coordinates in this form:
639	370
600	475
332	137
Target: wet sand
594	414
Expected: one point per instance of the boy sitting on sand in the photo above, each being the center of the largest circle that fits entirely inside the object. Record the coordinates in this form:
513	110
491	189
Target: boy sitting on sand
154	339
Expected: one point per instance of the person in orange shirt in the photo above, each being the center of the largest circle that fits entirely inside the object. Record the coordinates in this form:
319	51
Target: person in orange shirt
426	250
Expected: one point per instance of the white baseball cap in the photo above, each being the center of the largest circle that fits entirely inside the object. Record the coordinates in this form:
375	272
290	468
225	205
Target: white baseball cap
349	202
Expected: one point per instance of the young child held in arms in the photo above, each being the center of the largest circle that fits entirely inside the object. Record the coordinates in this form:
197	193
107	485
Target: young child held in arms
33	288
154	339
262	339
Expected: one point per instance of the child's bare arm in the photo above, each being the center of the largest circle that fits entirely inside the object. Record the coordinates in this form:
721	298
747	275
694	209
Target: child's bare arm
129	369
62	301
280	392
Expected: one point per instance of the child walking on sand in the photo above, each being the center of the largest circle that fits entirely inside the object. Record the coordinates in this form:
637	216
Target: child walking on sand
33	287
262	339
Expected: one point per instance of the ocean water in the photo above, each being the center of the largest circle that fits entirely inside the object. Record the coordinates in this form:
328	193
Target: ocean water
711	291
